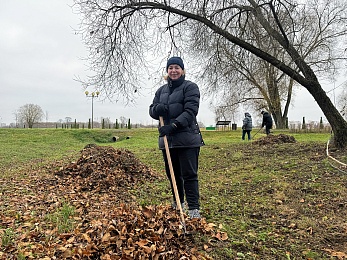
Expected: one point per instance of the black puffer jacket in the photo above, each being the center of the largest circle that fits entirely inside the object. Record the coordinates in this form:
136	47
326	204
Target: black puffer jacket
267	120
183	104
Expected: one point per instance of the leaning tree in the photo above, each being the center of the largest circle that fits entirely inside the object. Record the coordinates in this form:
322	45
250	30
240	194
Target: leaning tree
123	35
257	83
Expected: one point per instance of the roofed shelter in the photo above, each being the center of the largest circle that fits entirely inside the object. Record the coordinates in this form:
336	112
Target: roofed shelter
223	125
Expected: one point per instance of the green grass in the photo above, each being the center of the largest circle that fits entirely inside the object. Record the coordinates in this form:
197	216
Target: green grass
62	218
23	145
267	198
8	237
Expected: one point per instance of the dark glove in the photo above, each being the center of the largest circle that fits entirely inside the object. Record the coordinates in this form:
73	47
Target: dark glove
161	109
167	129
243	128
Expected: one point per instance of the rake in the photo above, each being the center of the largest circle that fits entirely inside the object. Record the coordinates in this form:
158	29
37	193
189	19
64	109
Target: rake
173	180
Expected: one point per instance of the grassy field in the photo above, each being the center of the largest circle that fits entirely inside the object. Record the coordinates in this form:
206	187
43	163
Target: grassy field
275	201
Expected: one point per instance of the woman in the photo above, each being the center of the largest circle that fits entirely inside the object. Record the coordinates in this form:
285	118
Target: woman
178	103
247	126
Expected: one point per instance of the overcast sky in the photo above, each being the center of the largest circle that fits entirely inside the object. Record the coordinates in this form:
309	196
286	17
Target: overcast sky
40	56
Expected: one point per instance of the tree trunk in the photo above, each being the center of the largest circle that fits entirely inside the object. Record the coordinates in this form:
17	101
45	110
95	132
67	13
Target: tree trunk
311	83
280	121
338	124
274	100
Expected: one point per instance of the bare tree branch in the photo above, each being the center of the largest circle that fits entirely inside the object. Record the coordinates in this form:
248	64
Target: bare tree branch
121	36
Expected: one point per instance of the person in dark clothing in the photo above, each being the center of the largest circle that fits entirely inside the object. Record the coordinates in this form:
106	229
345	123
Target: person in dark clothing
178	103
247	126
267	122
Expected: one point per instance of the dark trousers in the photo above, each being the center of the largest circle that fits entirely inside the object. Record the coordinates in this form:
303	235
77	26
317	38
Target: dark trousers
248	134
267	129
185	165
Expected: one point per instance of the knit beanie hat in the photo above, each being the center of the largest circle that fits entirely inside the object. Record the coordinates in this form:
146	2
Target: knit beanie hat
175	60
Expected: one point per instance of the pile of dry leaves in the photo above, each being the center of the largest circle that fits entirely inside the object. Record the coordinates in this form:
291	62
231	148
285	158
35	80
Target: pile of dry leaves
108	223
105	169
275	139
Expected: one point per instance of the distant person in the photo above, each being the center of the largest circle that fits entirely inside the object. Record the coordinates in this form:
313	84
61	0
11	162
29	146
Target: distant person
247	126
267	122
177	102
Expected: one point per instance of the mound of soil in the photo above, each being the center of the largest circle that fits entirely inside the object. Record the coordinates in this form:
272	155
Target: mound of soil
275	139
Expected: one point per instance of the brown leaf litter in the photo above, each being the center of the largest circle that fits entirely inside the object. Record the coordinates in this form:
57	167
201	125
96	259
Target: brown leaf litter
108	222
275	139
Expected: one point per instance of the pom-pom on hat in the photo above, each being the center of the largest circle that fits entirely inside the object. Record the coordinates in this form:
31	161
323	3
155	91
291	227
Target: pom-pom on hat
175	60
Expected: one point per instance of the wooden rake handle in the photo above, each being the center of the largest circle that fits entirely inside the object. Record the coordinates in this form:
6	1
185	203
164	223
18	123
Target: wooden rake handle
172	174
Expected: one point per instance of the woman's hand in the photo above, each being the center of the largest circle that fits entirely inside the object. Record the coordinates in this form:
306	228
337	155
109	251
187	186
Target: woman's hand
167	129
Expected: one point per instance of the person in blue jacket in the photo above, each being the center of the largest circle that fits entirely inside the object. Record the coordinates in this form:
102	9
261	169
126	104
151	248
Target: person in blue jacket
178	103
247	126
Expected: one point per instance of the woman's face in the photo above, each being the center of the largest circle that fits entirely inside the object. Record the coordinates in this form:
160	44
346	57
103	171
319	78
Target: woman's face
174	71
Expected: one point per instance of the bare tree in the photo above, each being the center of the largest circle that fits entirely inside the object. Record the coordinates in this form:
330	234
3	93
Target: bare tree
257	83
123	120
106	122
119	43
47	117
16	118
250	81
228	106
30	114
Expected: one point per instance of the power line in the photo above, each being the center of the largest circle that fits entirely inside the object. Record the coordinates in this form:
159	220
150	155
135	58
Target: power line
334	88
